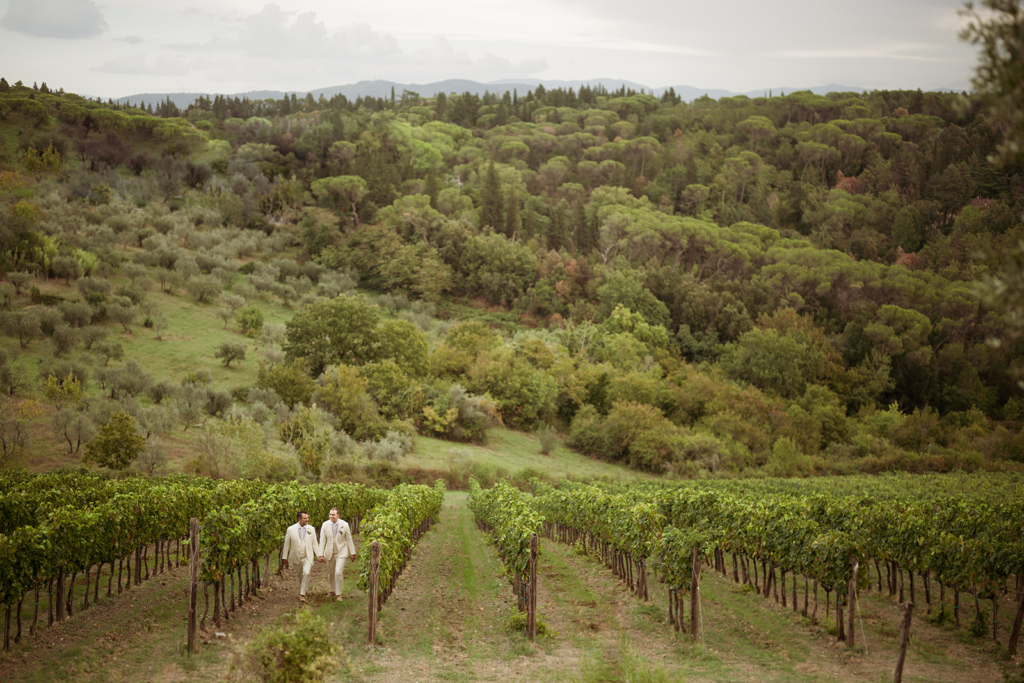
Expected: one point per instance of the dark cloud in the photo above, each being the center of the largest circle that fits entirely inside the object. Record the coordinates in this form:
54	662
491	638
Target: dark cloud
54	18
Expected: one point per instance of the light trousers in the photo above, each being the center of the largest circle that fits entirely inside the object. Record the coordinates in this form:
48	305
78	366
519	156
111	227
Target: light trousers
336	573
303	574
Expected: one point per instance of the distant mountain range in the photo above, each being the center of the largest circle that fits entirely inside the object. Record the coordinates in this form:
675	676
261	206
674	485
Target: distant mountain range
522	86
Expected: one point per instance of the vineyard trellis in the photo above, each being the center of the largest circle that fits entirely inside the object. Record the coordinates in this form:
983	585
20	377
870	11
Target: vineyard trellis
514	526
392	529
823	530
56	526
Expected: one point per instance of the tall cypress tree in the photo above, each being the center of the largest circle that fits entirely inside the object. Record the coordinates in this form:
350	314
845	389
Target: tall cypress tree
431	187
491	208
529	221
586	236
556	233
512	224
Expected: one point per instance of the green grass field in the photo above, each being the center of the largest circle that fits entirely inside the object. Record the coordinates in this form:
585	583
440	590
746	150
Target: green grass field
513	452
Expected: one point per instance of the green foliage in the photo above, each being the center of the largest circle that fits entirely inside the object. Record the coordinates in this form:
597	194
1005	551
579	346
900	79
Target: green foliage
289	381
548	439
641	436
586	433
391	448
404	344
230	351
61	392
500	270
625	289
299	650
524	394
250	320
507	514
604	266
397	396
779	363
117	443
459	416
396	524
343	393
786	461
310	433
999	74
204	287
332	331
517	623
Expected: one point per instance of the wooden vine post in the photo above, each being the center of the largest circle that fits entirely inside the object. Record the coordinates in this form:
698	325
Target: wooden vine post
371	625
193	583
532	609
853	600
1015	632
695	595
908	608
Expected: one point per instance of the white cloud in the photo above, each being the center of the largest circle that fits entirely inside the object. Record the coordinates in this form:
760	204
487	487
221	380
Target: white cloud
442	58
284	42
274	33
54	18
135	64
134	40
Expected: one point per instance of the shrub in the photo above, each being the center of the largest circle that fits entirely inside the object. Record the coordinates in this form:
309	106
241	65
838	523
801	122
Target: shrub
392	447
310	433
217	402
518	622
342	392
585	432
299	649
459	416
117	444
289	383
250	320
548	438
787	461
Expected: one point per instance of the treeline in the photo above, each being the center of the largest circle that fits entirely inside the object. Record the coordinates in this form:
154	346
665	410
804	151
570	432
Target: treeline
682	285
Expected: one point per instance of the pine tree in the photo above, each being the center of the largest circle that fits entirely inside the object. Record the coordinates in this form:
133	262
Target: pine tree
491	209
4	85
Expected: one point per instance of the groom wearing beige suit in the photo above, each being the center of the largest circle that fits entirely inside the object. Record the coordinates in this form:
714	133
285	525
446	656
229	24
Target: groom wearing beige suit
300	550
335	547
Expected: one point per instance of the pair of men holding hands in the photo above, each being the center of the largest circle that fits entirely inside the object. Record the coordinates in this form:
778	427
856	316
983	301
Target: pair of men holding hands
334	548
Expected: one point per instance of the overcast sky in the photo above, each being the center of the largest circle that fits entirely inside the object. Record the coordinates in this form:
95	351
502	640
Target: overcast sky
114	48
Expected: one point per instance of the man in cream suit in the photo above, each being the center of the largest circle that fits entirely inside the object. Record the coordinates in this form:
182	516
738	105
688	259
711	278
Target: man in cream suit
300	551
335	547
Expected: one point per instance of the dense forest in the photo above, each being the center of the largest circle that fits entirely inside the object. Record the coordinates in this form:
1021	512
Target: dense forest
785	284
